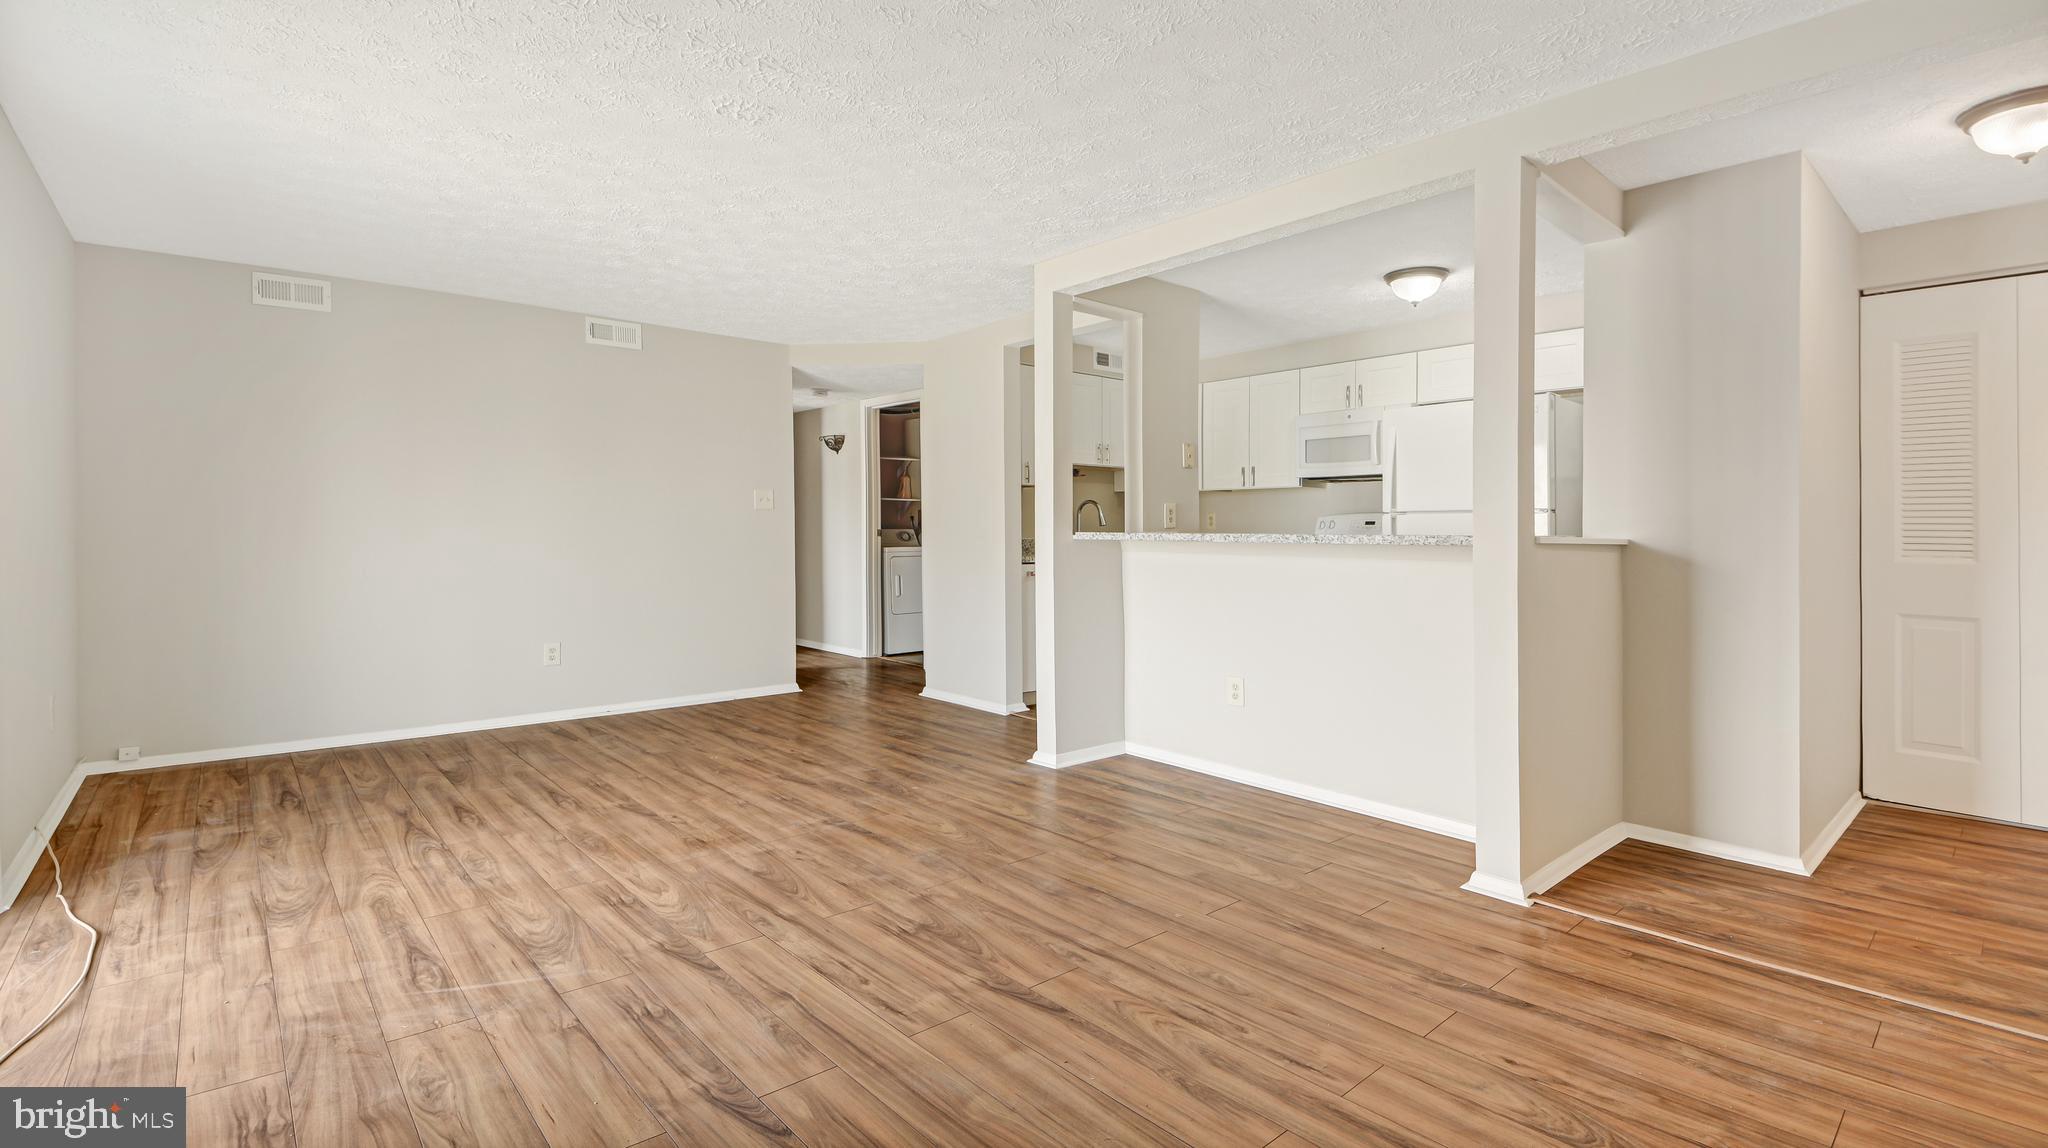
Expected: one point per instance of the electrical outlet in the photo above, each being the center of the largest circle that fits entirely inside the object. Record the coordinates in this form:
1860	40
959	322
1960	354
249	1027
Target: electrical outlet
1233	691
1209	521
1173	516
551	654
764	500
1187	456
128	753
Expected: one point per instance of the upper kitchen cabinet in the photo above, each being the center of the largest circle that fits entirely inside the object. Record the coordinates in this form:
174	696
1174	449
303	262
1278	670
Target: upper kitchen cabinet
1248	431
1095	426
1561	360
1381	382
1444	375
1388	381
1330	387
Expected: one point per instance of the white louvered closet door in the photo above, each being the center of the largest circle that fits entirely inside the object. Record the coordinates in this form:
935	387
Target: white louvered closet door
1941	548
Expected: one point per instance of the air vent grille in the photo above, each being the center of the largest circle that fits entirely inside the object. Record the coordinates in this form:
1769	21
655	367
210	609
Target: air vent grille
611	333
268	290
1937	443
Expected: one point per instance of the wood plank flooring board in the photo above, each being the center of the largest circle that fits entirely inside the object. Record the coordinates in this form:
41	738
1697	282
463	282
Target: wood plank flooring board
254	1113
1040	1092
743	1032
144	936
571	1089
129	1034
339	1074
832	1110
229	1029
687	1087
888	1064
298	904
458	1091
432	875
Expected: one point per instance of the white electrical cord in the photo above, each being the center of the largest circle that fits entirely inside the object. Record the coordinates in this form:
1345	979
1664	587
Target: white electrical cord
91	947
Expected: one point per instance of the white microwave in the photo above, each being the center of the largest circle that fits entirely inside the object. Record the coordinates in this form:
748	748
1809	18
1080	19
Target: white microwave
1339	444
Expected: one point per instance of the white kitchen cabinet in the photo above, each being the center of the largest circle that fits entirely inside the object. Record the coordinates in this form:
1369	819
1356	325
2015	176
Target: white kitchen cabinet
1274	402
1330	387
1248	431
1443	374
1113	422
1226	415
1561	360
1027	435
1388	381
1095	421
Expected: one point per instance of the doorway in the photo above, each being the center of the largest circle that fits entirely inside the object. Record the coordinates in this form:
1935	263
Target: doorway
897	507
1955	548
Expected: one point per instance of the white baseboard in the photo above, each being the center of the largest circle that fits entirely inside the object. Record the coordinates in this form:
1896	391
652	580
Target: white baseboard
1708	847
24	861
1496	888
829	648
25	857
1818	851
1428	822
1075	757
951	698
1574	858
309	744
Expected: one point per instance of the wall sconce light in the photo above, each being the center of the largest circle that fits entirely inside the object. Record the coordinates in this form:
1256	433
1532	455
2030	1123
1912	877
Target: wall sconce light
2014	125
833	441
1414	284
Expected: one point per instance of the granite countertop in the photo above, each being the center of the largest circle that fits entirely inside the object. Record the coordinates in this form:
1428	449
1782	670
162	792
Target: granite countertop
1283	539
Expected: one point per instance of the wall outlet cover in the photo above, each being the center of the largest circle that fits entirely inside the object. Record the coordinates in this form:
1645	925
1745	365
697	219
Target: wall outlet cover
764	500
551	654
1187	456
1173	516
1233	691
128	753
1209	522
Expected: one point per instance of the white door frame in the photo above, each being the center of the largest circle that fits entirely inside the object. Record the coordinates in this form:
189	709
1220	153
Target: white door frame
871	516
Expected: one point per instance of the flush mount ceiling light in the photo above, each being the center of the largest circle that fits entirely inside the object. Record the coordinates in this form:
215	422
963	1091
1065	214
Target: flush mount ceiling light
1415	284
2014	125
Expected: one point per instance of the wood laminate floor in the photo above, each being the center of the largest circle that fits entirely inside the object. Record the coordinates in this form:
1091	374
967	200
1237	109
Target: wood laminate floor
1946	911
853	916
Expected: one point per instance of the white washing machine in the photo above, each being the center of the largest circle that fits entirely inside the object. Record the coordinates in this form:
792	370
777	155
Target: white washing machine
902	599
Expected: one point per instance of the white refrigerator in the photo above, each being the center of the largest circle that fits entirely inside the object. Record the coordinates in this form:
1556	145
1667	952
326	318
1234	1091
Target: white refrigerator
1429	466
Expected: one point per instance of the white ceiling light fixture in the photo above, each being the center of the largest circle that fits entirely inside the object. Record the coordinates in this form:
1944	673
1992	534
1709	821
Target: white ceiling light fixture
2015	125
1414	284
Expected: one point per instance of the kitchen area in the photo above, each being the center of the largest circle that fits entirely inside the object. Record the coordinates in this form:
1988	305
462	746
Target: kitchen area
1284	550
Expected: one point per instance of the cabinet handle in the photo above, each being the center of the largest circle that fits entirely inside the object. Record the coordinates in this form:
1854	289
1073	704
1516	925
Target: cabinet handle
1241	479
1255	474
1027	474
1347	394
899	585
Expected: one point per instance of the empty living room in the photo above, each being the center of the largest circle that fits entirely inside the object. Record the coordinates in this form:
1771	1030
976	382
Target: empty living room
666	573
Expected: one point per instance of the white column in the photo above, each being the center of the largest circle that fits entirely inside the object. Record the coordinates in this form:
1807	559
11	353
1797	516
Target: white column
1503	494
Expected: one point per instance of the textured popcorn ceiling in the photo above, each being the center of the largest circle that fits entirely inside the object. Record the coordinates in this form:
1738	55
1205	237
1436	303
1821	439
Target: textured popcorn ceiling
796	170
1331	281
1888	148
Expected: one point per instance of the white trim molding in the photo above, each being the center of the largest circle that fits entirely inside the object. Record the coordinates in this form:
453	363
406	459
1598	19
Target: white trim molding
829	648
25	857
1810	860
1414	819
1498	888
1708	847
951	698
1576	857
1075	757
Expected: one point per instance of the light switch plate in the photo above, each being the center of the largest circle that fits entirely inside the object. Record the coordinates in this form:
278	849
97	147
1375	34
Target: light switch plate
764	500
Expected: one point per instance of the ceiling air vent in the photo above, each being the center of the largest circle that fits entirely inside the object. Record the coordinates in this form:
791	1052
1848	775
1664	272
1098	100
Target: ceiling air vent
268	290
611	333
